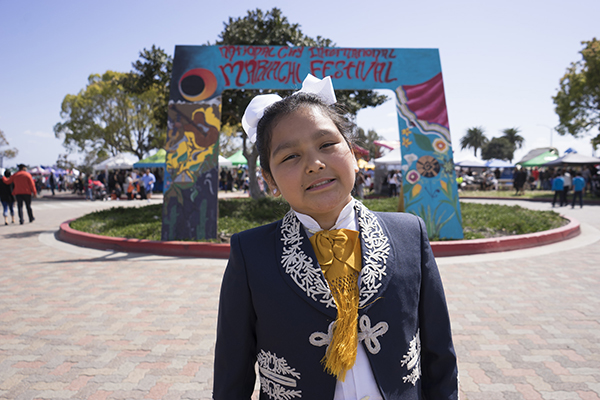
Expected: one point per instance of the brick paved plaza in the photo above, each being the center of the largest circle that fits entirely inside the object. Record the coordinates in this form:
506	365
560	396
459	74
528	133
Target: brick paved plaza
77	323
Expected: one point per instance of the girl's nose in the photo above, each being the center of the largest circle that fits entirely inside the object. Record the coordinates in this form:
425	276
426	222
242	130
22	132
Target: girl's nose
314	164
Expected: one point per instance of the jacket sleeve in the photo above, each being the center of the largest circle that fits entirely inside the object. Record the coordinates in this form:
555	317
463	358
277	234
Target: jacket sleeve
235	351
32	183
438	358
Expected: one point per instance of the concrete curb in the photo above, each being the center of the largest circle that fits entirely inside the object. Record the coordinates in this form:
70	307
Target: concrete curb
174	248
217	250
506	243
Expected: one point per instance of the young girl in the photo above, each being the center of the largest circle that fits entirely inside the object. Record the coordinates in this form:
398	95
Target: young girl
334	301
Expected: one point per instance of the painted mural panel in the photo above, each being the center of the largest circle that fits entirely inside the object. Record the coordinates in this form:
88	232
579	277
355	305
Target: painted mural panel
190	199
201	73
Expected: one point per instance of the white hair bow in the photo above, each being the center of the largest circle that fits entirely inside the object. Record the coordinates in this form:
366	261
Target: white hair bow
256	109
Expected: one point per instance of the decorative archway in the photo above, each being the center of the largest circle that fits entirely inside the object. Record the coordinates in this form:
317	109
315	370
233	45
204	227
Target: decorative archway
201	73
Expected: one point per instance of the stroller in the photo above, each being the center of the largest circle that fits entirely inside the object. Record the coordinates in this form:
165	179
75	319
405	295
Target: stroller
98	191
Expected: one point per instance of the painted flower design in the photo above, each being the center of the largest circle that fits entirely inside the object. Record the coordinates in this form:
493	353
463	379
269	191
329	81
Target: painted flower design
406	131
406	142
410	158
440	145
413	177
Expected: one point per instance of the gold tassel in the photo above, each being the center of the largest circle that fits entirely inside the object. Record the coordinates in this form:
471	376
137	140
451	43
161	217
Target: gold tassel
339	255
341	352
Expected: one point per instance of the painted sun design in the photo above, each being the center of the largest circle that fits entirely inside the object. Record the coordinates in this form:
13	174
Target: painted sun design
428	166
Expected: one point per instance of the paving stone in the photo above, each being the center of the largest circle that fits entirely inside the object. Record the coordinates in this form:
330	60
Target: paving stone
84	324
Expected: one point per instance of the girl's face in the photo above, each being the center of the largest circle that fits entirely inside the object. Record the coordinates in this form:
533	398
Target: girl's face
312	166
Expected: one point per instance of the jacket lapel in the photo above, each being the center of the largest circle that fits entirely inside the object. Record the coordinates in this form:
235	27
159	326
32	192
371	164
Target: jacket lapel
299	266
375	248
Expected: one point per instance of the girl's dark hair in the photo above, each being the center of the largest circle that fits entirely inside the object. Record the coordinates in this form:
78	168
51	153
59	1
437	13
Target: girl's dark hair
287	106
7	173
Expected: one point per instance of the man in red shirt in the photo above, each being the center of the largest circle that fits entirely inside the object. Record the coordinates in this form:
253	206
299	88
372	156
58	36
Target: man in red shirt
24	188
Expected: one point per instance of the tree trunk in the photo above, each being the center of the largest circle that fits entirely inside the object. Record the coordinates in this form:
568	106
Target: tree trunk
252	156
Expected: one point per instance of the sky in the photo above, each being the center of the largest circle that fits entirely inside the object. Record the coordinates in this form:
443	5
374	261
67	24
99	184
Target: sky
501	60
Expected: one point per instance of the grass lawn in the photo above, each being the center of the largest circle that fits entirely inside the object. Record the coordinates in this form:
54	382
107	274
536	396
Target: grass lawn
235	215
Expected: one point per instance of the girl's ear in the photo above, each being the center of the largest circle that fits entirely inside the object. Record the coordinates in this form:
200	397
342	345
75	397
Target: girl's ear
271	182
356	169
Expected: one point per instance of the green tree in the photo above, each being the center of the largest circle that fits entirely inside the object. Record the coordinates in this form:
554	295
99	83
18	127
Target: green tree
500	148
62	161
151	79
105	119
367	141
272	28
512	135
6	153
474	139
578	98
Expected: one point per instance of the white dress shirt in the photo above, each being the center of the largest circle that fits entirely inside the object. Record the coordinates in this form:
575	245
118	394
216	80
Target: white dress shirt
359	383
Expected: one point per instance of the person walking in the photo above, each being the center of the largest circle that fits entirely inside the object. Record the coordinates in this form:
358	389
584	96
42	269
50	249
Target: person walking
7	198
558	184
24	189
52	182
578	187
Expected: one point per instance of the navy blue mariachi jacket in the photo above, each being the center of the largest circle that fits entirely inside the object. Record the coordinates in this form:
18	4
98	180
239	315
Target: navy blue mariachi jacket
276	311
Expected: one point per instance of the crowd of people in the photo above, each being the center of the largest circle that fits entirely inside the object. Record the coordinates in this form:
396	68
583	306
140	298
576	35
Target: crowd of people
116	185
530	179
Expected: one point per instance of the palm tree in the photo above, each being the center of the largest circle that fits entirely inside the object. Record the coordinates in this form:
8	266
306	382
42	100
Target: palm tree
512	134
475	139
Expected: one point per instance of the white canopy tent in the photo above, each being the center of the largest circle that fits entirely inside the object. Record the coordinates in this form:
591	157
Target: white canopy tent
573	159
394	157
495	163
223	162
120	161
470	162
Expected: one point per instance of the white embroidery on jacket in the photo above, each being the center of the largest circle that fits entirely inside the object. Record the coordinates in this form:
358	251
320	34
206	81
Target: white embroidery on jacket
412	360
365	333
377	250
276	375
370	335
309	278
299	266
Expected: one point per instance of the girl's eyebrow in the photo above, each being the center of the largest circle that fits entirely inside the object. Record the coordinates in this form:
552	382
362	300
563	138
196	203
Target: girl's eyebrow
294	143
284	146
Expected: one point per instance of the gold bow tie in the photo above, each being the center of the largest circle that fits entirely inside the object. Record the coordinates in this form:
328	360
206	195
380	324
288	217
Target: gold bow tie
338	253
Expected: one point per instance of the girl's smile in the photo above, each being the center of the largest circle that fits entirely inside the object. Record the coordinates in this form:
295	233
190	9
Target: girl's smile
321	184
312	165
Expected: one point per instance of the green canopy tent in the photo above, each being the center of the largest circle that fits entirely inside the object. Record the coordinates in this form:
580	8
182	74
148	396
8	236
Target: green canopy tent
158	160
239	159
540	160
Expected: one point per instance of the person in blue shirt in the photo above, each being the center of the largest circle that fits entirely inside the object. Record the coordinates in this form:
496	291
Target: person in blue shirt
148	181
558	184
578	186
